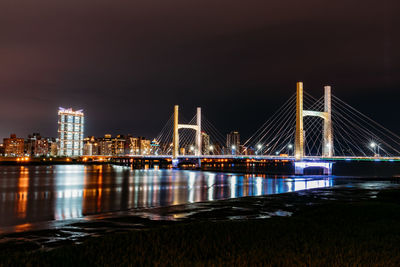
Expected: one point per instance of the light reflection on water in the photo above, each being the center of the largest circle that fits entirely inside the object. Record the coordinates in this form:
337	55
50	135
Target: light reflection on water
46	193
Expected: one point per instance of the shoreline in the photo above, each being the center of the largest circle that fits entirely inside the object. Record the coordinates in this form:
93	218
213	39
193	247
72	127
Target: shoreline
271	210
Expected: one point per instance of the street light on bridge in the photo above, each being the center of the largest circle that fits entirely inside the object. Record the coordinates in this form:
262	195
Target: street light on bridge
374	146
259	146
233	150
290	146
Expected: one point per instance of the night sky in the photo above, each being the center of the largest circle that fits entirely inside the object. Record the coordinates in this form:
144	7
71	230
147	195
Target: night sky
126	63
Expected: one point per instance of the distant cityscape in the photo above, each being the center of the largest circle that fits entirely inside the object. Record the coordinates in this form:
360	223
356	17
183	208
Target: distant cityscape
71	142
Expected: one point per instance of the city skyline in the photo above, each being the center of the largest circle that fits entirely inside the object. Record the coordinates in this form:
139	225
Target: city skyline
130	62
199	133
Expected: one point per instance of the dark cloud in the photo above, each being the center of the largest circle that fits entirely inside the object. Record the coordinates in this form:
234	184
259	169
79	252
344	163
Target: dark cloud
126	63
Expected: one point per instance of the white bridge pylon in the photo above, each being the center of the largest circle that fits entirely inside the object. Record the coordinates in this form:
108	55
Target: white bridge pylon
177	126
326	115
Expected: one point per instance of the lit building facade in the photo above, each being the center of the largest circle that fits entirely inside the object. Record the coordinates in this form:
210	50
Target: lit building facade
140	146
13	146
91	146
145	146
205	143
106	145
118	145
155	147
38	146
70	132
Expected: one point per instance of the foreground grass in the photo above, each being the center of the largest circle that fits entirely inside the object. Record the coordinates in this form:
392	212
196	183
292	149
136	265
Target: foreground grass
334	234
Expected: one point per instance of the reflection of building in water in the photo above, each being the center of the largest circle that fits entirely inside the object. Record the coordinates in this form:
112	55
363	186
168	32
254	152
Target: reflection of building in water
191	187
43	193
114	188
210	186
69	191
22	197
232	186
93	188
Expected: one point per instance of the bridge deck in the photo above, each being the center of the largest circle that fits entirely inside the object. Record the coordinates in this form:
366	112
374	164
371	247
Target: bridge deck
254	157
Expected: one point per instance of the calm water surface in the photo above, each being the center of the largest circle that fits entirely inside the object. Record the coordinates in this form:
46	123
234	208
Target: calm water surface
32	194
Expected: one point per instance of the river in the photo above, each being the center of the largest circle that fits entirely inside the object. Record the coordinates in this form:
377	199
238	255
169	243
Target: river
44	194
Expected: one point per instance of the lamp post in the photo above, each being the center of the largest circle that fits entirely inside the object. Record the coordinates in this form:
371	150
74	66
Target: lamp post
211	148
259	146
233	150
375	147
290	146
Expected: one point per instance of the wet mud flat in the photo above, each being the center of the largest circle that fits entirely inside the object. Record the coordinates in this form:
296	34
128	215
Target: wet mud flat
357	222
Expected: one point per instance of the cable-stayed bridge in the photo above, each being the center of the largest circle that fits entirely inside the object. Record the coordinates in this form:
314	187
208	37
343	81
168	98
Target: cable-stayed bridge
308	131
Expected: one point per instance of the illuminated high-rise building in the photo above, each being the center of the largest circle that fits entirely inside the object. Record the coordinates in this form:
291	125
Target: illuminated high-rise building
70	132
205	144
233	143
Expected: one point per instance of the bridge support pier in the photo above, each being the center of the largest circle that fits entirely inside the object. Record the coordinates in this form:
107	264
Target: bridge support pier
327	149
198	165
175	137
299	135
198	132
175	163
300	166
326	115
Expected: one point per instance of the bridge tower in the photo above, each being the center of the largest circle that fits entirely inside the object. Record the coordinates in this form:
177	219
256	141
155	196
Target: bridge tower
177	126
326	115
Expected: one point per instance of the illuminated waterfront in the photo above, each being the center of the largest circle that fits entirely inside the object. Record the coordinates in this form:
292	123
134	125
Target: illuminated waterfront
42	194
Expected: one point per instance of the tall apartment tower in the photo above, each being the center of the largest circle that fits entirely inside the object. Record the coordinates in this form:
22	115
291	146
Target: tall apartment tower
70	132
233	142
